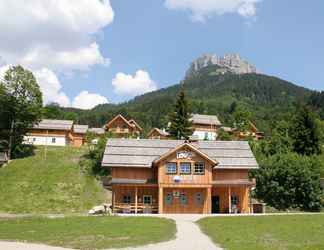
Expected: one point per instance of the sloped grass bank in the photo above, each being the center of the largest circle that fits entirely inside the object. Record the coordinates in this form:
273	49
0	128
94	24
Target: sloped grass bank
89	232
266	232
48	182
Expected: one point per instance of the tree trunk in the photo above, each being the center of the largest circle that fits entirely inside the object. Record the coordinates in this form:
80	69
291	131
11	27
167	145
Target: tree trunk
11	138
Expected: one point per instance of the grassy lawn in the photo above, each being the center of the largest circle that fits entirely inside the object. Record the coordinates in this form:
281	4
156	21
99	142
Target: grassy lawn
54	185
266	232
88	232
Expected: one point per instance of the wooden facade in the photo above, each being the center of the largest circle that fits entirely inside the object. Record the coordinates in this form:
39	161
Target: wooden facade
195	185
157	133
120	127
56	133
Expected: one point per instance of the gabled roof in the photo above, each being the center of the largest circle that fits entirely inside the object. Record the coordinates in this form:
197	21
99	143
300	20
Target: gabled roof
117	117
80	129
205	119
143	152
160	132
99	131
132	121
181	146
49	124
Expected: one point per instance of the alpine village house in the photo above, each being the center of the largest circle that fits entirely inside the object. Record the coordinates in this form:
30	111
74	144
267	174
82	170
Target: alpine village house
176	176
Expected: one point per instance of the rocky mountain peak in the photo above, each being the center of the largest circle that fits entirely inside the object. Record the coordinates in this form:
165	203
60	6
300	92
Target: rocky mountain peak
229	62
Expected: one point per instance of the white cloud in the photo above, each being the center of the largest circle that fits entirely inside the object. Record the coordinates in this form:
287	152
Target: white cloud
133	85
51	87
57	34
202	9
86	100
52	91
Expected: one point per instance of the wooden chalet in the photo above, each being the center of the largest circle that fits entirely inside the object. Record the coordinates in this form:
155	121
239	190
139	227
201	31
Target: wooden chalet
205	127
251	132
78	135
176	176
119	126
157	133
51	132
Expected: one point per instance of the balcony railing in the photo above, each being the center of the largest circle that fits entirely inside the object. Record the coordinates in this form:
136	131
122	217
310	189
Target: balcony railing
119	130
131	208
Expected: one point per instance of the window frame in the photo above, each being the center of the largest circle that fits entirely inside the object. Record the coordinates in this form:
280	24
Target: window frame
168	201
167	168
200	201
147	196
190	168
199	173
183	202
236	199
129	197
53	140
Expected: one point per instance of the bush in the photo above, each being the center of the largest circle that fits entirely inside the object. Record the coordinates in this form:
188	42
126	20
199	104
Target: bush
289	181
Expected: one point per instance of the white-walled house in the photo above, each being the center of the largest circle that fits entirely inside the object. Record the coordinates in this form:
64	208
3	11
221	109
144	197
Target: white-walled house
205	126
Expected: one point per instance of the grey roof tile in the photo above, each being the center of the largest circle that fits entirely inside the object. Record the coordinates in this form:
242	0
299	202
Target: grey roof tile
80	129
142	152
205	119
54	124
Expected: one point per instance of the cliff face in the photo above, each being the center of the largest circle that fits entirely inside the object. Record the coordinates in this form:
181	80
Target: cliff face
229	63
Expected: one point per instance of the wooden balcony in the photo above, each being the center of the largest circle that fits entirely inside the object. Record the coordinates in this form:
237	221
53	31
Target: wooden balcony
119	130
128	208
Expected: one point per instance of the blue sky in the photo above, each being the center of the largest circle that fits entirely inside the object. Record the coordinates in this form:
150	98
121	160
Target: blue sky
282	38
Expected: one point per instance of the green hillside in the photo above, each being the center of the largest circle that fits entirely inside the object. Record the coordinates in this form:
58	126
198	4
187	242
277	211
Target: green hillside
51	185
211	92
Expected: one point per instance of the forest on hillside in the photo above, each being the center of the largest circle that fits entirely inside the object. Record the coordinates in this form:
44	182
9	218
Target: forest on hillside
268	99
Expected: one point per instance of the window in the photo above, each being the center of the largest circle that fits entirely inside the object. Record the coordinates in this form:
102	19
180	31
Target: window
171	168
234	200
53	140
147	199
127	199
183	199
199	168
34	139
168	199
185	168
199	198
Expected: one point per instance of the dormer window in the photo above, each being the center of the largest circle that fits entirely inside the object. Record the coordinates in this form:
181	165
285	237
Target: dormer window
185	168
199	168
171	168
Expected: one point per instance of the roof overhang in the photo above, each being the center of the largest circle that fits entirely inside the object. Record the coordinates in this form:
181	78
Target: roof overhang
115	118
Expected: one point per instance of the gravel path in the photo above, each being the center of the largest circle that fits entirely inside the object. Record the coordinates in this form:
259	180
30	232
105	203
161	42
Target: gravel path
188	237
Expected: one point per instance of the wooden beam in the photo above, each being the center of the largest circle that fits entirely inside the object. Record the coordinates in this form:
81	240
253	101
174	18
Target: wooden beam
209	201
113	198
135	199
229	200
160	200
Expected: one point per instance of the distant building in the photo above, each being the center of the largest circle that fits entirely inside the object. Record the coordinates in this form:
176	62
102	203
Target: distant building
205	126
3	158
79	135
97	131
157	133
252	131
120	127
56	133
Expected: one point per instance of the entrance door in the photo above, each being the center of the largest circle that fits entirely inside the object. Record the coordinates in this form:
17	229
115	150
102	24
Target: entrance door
215	204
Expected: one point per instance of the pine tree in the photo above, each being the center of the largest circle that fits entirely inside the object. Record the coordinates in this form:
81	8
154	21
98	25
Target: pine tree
304	133
180	124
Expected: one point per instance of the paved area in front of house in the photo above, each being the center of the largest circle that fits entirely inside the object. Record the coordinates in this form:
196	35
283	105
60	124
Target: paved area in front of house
188	236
